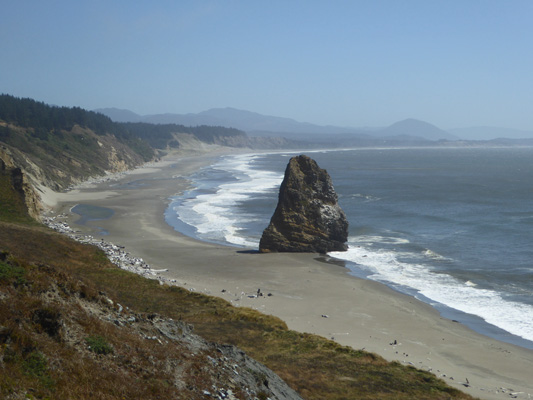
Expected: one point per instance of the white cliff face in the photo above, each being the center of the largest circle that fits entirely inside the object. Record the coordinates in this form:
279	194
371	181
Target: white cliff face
330	214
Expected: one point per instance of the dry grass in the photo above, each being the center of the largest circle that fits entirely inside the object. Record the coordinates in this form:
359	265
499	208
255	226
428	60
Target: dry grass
53	346
316	367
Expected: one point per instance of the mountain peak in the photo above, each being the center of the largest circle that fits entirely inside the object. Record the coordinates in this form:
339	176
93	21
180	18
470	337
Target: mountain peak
415	127
258	124
119	114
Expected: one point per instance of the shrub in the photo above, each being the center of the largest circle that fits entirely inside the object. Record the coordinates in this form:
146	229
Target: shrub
12	273
97	344
36	365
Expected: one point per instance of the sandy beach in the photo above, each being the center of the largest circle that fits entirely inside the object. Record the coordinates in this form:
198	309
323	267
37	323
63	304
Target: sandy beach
308	293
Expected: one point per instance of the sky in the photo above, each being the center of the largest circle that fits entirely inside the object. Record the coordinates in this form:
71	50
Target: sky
453	63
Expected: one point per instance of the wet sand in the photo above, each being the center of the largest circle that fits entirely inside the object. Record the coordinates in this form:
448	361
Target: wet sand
310	295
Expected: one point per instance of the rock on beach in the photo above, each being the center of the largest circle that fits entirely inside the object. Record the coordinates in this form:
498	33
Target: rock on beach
308	217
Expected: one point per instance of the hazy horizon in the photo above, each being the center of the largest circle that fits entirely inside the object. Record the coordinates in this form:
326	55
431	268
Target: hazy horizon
477	127
347	63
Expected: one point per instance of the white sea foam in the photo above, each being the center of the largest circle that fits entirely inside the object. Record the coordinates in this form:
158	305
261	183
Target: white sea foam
213	215
435	256
384	266
389	257
365	197
367	239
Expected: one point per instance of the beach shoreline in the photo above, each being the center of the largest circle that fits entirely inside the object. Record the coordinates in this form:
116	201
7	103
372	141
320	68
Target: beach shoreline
308	294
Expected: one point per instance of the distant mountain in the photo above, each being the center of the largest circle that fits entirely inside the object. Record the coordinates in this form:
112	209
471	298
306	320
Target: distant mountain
413	127
119	115
490	132
248	121
257	124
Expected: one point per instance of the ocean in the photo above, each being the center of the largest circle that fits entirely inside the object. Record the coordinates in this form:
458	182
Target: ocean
452	227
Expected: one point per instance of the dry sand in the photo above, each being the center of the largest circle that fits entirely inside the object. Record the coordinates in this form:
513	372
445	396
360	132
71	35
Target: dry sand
310	295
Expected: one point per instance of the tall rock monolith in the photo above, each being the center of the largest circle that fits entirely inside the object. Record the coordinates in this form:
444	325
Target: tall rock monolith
308	217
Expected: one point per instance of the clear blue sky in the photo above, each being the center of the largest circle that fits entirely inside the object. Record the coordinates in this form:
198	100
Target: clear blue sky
453	63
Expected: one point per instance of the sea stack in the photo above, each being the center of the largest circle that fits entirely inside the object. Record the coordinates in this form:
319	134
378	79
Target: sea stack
308	217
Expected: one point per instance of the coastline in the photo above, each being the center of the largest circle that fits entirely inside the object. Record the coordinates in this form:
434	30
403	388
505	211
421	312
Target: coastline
307	293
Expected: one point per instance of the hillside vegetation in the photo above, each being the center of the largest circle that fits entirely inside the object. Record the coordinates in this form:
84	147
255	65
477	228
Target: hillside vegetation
12	202
58	146
63	337
60	331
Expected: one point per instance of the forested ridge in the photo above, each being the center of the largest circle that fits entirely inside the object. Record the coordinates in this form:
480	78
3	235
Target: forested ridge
29	113
47	121
47	125
60	146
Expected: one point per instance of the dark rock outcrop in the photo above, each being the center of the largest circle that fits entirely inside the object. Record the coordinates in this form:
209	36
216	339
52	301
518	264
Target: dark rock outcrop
308	217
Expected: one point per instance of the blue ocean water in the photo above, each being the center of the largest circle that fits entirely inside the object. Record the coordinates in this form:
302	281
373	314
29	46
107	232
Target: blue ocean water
450	226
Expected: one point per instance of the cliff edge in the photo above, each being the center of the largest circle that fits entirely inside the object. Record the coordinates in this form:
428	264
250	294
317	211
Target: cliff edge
308	217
